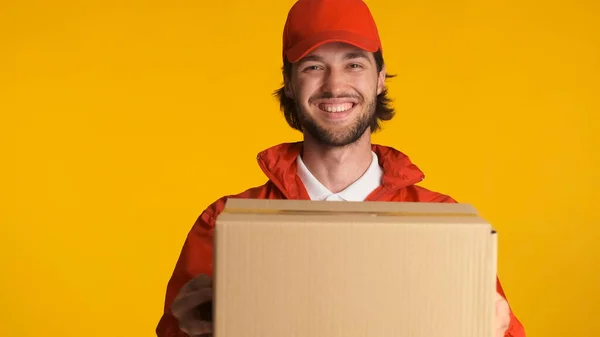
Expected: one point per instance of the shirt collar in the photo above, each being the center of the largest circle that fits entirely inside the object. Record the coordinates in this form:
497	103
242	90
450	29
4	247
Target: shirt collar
357	191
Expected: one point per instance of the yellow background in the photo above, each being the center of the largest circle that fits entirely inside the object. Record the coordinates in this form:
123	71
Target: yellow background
122	120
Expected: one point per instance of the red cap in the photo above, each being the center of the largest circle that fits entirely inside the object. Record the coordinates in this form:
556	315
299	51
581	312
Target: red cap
312	23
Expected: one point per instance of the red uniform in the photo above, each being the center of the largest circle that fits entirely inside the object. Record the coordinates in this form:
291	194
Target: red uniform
400	177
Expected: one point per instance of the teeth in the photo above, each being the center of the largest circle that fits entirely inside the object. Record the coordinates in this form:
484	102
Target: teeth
336	107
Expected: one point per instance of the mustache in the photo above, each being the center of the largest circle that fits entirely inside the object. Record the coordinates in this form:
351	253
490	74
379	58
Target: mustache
328	95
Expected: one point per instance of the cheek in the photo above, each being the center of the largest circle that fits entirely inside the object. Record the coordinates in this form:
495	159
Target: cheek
305	89
367	90
365	84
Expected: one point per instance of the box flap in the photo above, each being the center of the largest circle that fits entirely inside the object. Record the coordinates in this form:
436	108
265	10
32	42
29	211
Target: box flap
236	205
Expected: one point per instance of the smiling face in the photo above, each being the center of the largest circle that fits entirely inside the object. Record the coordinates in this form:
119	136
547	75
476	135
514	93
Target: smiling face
335	90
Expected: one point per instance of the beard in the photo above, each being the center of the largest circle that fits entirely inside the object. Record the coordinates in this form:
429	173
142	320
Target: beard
338	138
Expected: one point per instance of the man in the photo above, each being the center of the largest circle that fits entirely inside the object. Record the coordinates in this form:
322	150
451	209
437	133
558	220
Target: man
334	93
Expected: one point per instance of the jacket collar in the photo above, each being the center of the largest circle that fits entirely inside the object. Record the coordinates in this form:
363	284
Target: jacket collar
279	165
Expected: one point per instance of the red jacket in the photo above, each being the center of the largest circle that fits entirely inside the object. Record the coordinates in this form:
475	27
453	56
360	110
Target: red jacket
279	165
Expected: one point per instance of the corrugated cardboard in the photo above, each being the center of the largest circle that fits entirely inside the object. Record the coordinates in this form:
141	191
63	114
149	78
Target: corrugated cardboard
288	268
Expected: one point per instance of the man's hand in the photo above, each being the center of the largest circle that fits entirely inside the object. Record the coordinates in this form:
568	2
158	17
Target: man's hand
193	307
502	319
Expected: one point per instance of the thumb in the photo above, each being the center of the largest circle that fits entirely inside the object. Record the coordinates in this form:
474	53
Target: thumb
502	317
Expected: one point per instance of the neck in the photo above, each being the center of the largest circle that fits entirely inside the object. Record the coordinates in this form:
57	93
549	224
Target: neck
337	167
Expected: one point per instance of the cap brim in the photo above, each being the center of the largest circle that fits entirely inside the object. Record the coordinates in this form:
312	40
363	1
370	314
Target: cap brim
304	47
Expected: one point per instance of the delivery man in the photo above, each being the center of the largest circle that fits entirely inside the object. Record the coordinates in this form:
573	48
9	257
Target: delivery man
334	93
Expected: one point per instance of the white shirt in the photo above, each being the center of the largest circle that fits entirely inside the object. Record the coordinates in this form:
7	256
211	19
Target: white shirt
357	191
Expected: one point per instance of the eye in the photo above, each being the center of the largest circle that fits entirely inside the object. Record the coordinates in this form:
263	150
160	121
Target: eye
311	68
355	66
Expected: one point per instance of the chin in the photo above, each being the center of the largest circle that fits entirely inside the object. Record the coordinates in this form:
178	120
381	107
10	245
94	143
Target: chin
336	136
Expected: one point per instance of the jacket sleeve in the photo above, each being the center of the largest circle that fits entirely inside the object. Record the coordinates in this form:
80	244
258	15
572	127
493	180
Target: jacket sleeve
196	258
515	328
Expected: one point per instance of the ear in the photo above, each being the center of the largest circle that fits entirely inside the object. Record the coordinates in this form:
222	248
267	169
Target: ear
381	80
287	87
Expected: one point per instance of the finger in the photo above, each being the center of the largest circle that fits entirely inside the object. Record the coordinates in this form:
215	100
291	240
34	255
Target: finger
197	282
193	326
200	328
502	308
198	295
502	318
191	301
185	302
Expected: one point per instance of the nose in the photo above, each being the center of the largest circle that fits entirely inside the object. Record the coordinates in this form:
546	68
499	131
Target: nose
334	82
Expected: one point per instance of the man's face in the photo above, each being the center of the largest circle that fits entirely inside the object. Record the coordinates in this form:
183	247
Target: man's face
335	89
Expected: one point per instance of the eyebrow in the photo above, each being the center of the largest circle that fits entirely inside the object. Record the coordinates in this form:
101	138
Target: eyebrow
310	58
347	56
355	55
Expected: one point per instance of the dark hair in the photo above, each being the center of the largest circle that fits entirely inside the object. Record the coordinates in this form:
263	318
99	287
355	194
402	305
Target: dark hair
383	109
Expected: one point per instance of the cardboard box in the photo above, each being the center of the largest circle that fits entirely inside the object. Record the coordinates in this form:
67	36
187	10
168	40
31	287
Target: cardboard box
288	268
